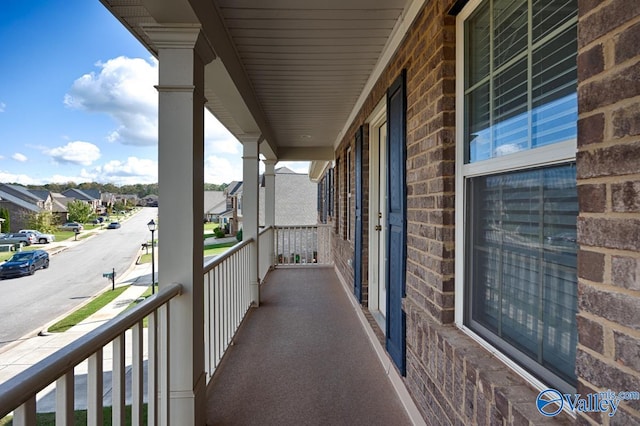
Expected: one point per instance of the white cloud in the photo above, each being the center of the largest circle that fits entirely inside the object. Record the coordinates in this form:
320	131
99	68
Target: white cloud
19	157
222	170
123	89
133	171
78	152
18	178
217	139
3	107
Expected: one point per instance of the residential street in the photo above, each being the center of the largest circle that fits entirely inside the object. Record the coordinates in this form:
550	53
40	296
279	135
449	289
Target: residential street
29	303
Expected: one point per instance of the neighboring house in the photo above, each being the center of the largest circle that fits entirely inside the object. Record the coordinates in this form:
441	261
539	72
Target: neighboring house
91	197
19	209
215	205
59	207
150	200
37	198
295	200
107	200
233	213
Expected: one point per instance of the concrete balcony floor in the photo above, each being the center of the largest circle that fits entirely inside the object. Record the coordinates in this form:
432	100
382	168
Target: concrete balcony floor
303	358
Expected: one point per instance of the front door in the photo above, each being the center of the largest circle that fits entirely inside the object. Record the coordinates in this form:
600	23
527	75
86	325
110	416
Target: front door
357	261
378	222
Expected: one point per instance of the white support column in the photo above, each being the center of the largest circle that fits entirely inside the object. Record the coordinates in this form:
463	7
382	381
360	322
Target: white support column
183	52
250	205
269	192
270	203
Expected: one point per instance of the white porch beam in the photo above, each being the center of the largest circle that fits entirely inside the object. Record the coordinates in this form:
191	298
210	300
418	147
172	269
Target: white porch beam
182	52
269	192
250	206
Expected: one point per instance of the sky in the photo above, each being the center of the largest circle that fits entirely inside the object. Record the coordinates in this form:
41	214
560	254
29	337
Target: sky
78	103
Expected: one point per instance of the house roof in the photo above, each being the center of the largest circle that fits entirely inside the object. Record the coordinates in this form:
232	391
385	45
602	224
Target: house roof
60	202
43	194
215	202
10	198
234	188
84	195
20	192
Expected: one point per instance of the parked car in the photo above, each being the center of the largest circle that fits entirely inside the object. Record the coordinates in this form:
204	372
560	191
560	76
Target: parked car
98	220
40	237
26	238
113	225
24	263
72	226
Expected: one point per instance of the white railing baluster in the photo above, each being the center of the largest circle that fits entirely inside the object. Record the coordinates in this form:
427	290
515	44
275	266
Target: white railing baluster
59	368
65	389
163	364
137	374
25	414
95	390
118	380
152	368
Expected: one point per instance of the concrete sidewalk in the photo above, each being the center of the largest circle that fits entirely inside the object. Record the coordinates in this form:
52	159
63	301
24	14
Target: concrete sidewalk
31	350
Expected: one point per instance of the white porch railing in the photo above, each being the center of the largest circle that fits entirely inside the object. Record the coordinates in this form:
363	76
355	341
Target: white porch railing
227	300
265	255
303	245
18	394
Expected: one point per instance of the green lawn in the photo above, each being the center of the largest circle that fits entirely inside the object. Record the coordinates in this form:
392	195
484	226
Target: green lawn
87	310
215	249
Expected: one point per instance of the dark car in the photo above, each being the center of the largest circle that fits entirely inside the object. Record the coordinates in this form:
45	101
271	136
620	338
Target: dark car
113	225
24	263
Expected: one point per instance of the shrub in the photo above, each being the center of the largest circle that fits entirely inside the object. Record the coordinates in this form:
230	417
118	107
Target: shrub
239	235
219	233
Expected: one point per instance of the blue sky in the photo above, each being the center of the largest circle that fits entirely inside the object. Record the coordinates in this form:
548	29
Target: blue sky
77	102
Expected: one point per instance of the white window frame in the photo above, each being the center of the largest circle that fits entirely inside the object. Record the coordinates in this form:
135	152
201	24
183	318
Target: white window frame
349	187
548	155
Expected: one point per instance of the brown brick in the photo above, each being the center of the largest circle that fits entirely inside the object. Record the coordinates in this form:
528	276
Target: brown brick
622	84
590	334
626	121
606	19
590	62
627	350
590	265
626	197
585	6
606	376
616	307
591	130
583	389
628	44
505	396
623	234
592	198
624	418
611	161
625	272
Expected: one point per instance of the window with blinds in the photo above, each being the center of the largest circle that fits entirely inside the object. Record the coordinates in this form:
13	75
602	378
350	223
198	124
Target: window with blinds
516	150
523	270
520	80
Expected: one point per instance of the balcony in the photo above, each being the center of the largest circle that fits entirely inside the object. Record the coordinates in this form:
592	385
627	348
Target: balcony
305	355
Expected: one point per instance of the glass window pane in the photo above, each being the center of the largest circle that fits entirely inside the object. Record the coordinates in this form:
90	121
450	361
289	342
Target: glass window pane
510	29
554	99
549	14
477	33
478	131
524	254
511	119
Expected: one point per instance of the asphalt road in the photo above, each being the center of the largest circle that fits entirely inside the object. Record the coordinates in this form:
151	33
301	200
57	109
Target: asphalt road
29	303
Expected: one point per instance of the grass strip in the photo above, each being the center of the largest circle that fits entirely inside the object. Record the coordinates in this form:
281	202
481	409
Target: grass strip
86	311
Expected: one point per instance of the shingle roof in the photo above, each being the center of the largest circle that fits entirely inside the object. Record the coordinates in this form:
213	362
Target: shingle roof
5	196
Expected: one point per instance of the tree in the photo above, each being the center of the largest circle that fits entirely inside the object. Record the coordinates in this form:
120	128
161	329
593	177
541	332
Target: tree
4	214
42	221
79	211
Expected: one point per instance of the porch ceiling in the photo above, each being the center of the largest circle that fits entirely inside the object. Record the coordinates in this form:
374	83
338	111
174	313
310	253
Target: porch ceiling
291	71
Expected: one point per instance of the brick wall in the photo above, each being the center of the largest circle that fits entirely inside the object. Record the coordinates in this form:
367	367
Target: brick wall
452	379
608	163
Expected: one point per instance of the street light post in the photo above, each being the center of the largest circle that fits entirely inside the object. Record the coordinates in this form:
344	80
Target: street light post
152	228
